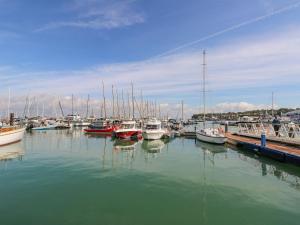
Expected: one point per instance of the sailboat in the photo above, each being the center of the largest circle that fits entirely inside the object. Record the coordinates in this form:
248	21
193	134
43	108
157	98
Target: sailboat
209	135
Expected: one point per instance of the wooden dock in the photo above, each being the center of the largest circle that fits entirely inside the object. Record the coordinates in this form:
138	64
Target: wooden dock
275	150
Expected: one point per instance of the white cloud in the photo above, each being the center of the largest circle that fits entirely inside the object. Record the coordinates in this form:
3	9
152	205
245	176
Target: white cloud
93	14
257	62
237	107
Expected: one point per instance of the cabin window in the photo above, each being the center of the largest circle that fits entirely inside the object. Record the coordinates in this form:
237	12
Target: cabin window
127	126
152	127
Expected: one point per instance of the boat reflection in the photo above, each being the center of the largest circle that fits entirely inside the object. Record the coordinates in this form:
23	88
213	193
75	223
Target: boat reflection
154	146
93	135
124	145
211	148
11	152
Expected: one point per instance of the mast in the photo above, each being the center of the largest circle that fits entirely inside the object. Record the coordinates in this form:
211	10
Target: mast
37	107
87	106
132	100
182	110
104	101
113	100
8	104
118	106
142	104
25	107
72	105
159	113
128	98
204	94
61	109
123	104
272	104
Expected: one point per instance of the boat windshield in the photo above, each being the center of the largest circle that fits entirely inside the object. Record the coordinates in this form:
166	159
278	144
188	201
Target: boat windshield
127	126
152	127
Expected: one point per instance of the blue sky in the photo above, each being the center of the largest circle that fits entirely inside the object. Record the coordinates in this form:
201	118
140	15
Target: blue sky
63	47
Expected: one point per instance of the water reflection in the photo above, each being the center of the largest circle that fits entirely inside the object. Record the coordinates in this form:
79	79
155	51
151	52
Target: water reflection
154	146
115	153
283	172
10	152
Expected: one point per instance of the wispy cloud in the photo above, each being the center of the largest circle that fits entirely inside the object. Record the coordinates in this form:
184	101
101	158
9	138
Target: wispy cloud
97	14
258	63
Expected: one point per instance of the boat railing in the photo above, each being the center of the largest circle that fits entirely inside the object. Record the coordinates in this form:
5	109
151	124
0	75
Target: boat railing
284	130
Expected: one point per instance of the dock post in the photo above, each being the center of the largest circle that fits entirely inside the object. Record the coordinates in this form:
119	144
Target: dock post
226	127
11	119
263	140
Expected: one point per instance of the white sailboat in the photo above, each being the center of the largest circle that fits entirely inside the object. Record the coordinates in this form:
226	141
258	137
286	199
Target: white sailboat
9	135
210	135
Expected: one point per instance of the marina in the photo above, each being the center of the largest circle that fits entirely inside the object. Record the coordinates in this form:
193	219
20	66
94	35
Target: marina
70	177
120	112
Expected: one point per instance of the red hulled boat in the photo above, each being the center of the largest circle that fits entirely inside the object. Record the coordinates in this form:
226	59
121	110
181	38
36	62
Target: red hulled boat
128	130
101	127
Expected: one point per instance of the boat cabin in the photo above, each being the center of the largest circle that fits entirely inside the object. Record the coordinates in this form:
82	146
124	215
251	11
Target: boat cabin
128	125
153	125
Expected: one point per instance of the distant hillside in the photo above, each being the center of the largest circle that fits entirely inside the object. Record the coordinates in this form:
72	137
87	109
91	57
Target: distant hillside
236	115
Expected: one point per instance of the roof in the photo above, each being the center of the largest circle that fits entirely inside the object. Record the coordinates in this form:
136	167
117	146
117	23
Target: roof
128	122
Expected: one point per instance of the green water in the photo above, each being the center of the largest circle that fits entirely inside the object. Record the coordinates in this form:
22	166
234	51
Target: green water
65	177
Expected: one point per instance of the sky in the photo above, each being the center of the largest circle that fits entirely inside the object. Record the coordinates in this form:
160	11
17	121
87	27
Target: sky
50	50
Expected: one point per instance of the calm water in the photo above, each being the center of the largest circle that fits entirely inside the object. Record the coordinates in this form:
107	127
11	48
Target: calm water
65	177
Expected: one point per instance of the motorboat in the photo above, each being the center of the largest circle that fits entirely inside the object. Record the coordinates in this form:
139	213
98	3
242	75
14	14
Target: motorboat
153	130
45	125
101	127
128	130
77	121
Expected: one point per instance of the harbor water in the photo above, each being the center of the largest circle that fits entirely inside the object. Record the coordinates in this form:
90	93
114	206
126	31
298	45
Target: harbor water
68	178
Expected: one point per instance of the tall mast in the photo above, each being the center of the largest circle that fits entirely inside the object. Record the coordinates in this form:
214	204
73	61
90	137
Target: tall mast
118	106
159	113
182	110
142	104
37	107
72	104
123	104
204	91
132	100
128	98
43	112
104	100
87	106
272	104
113	100
8	104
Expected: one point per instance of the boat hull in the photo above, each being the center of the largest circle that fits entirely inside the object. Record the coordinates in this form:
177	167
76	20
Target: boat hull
210	139
103	130
153	135
12	136
52	127
128	134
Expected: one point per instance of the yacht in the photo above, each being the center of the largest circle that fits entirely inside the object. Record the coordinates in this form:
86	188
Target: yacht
101	126
153	130
128	130
9	135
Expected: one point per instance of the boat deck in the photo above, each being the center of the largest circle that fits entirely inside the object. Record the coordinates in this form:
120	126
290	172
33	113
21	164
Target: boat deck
275	150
